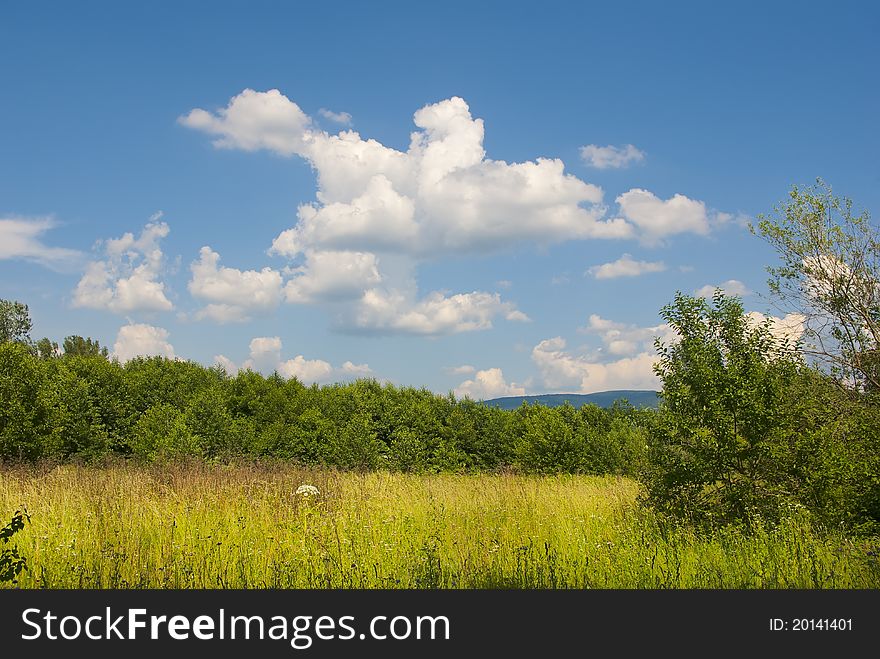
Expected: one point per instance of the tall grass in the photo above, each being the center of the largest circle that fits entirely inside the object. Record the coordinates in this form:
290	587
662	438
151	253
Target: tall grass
244	527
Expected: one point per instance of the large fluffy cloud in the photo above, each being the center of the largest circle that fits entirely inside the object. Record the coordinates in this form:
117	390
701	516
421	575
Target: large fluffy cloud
435	314
627	355
135	340
255	120
624	339
232	295
563	370
377	206
333	276
657	218
488	384
128	278
789	328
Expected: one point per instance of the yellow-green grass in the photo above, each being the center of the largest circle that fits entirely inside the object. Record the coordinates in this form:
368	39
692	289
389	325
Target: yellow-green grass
245	527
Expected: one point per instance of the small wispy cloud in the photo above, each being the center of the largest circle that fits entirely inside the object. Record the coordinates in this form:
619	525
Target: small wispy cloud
343	118
21	238
464	369
611	157
625	266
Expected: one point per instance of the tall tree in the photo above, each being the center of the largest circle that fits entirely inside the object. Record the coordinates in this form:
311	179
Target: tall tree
830	274
46	348
15	322
78	346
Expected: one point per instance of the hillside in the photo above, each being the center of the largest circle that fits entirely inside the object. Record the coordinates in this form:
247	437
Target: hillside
637	398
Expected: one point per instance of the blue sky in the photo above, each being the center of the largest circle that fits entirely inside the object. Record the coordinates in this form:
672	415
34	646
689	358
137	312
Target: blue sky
280	137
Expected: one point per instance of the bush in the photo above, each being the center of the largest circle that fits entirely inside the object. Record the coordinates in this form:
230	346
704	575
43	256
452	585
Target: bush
162	434
357	446
548	444
27	405
714	457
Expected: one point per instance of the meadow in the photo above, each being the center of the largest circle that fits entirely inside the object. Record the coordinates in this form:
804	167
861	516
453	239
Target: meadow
245	526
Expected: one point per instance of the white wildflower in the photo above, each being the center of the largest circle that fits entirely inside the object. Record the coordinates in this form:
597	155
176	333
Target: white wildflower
308	490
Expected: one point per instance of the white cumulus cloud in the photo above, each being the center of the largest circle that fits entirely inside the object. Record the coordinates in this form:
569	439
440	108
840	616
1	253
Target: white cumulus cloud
136	340
265	357
729	287
306	370
488	384
227	364
254	120
435	314
464	369
564	370
232	295
789	328
625	266
128	278
658	218
611	157
441	196
331	276
623	339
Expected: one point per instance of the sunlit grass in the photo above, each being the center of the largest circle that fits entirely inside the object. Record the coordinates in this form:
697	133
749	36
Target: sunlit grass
245	527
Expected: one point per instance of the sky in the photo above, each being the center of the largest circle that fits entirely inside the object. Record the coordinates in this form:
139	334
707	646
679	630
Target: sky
491	198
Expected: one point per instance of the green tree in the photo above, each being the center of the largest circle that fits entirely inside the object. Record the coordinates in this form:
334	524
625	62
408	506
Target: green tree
356	446
548	444
208	418
77	346
27	404
407	450
47	349
15	322
724	414
161	433
76	422
830	275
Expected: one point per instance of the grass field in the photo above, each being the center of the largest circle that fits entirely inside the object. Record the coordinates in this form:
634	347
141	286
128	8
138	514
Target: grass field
245	527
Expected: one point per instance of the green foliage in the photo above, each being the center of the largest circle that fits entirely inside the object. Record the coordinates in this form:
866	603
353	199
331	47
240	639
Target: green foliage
723	414
27	402
357	446
408	450
12	563
108	395
77	346
830	275
620	449
748	433
548	444
15	322
211	423
46	349
76	422
161	433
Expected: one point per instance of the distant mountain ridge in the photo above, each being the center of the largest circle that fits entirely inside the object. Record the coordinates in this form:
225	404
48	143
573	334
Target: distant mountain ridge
636	398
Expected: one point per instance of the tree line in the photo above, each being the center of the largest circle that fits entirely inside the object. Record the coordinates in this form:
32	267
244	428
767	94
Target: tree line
75	405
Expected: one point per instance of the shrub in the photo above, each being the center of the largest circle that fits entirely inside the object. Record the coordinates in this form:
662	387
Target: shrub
161	433
548	444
